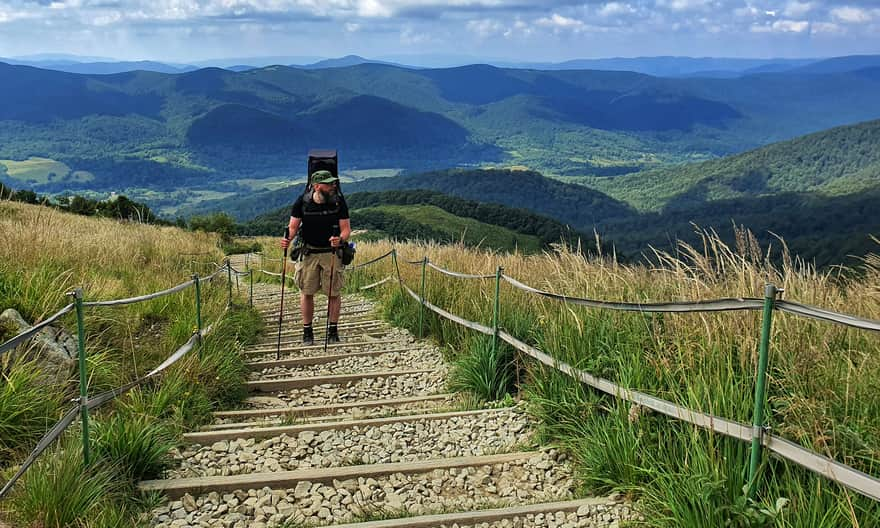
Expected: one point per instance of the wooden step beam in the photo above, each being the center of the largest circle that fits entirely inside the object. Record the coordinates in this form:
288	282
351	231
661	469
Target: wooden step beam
470	518
318	410
176	488
209	437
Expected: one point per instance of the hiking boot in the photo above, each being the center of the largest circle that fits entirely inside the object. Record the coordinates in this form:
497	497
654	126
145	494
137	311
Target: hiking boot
308	336
333	336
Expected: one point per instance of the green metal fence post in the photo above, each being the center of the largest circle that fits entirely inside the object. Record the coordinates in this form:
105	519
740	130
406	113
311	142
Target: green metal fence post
229	283
198	310
496	309
760	390
251	292
396	267
83	375
422	295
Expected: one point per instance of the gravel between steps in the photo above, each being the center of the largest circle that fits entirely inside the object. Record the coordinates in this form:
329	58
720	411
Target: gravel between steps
410	359
539	478
357	413
398	442
423	384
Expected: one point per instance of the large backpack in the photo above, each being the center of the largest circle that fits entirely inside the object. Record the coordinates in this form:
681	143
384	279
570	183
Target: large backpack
323	159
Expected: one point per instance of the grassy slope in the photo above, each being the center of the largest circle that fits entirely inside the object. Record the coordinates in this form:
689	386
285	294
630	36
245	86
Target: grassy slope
467	230
46	253
823	391
840	161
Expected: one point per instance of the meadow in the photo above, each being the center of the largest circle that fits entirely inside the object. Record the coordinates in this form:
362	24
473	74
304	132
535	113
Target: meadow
44	254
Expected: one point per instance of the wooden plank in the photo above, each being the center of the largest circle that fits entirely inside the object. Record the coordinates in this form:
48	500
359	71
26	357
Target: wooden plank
176	488
338	379
318	410
209	437
481	516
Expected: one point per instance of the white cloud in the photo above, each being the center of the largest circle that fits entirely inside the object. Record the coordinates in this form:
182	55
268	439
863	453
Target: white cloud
612	9
485	27
795	9
851	15
684	5
557	22
827	28
374	8
782	26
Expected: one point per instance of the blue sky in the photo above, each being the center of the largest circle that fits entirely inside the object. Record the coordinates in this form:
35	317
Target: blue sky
190	30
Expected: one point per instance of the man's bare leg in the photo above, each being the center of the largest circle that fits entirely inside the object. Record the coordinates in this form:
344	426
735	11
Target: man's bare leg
307	308
335	308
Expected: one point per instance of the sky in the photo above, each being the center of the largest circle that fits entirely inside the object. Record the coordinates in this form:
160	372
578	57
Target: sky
193	30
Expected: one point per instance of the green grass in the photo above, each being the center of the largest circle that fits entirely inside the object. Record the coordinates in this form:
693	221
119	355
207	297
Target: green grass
822	392
58	492
133	433
135	445
36	170
454	228
28	407
484	370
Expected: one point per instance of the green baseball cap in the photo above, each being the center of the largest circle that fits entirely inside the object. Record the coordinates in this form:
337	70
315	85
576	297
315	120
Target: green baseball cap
323	176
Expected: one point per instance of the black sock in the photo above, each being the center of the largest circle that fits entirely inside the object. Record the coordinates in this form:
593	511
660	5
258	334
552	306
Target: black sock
307	326
334	328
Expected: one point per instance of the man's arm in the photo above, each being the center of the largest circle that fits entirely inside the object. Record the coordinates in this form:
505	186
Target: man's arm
344	233
345	229
292	229
294	226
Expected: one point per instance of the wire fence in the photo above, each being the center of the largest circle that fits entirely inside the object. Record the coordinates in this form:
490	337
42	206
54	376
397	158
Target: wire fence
757	433
84	403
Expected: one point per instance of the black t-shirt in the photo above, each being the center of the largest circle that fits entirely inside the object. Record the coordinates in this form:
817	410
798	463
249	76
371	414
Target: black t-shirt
319	221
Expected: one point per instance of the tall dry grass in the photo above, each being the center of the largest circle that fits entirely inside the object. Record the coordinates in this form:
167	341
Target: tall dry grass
44	254
824	379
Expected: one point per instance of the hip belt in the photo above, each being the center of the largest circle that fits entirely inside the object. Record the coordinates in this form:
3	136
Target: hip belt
312	250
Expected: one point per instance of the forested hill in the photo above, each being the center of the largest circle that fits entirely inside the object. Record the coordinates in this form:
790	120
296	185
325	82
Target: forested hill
571	204
575	205
211	129
412	214
840	161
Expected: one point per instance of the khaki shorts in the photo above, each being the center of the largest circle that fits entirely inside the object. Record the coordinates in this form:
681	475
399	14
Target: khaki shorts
313	274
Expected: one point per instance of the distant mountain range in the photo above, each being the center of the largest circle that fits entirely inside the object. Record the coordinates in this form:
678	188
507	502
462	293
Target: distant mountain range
818	192
211	128
667	66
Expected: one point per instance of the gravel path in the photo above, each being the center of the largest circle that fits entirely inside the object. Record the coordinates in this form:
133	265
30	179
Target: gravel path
542	476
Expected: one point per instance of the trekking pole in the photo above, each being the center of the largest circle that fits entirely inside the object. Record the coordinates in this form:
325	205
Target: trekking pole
283	281
333	256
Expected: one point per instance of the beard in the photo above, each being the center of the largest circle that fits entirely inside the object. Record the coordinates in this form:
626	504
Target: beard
322	197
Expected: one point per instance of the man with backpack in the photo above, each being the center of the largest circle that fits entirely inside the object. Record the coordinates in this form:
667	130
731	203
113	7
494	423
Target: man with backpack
320	218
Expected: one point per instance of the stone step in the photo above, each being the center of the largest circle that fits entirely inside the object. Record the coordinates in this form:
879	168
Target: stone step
317	419
317	360
304	348
283	384
585	507
318	410
176	488
209	437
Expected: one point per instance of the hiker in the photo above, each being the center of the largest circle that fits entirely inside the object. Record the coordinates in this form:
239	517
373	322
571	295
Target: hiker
320	216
